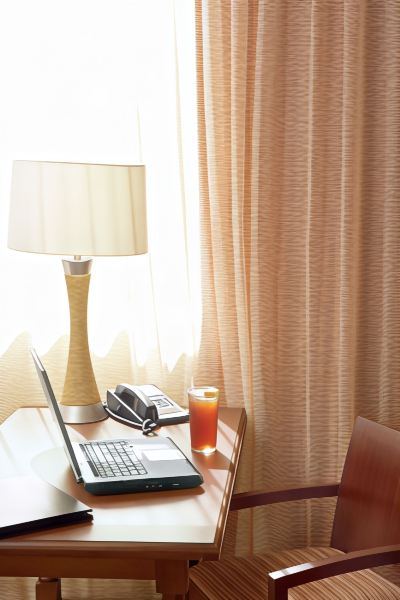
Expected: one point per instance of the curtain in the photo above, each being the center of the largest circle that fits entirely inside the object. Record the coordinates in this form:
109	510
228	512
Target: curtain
299	147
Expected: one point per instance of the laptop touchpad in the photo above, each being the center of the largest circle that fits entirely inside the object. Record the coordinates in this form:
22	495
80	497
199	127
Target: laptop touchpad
163	455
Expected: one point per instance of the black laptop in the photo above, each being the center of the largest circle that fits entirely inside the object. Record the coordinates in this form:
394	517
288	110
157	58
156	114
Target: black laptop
122	465
27	504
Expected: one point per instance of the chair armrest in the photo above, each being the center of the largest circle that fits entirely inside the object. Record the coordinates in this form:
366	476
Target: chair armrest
279	582
262	497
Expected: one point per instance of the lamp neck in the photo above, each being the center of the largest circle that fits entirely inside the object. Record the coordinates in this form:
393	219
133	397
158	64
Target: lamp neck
77	266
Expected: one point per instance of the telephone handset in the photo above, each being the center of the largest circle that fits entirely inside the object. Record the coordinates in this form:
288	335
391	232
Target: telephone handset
144	406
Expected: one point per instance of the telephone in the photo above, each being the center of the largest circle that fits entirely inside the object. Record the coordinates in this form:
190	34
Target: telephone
144	406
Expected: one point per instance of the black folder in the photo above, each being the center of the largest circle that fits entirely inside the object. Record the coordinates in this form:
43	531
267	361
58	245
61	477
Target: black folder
28	503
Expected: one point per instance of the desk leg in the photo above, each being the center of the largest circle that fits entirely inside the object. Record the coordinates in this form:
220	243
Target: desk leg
48	589
172	579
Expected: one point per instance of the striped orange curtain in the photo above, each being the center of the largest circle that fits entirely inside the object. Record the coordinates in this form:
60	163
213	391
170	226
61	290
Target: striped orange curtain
299	124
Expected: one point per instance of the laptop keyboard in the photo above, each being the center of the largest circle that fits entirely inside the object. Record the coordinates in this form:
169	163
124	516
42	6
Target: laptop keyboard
113	459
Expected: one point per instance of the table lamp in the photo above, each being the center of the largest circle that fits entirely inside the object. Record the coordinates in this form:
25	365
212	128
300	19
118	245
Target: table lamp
80	210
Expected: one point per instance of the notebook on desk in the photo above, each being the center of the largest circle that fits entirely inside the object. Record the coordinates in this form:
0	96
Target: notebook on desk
122	465
27	504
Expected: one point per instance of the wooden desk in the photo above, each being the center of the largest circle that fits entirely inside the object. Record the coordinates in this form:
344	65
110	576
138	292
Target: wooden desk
150	535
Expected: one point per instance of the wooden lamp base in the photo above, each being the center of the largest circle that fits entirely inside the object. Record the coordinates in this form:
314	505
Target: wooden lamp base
80	401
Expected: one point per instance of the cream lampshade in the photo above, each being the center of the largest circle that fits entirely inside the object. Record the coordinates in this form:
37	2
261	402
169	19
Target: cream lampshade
81	210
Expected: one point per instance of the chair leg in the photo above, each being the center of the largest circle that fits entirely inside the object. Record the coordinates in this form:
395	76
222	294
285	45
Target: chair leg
48	589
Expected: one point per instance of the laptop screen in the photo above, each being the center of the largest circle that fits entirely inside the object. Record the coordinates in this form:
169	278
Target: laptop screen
55	411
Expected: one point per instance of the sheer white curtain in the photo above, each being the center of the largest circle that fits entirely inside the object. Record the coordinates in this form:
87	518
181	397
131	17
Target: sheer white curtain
101	81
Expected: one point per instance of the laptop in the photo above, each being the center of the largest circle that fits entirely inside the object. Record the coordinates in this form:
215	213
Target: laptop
119	466
46	506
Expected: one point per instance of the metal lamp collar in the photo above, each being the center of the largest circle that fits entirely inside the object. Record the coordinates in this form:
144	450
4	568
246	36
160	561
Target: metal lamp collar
77	266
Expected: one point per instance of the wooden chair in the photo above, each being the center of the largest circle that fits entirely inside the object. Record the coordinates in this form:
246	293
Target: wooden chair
365	534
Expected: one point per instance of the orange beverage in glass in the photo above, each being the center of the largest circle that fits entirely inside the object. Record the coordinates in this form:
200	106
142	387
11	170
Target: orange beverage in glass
203	409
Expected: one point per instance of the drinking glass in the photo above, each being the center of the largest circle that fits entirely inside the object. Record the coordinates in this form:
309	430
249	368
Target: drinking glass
203	409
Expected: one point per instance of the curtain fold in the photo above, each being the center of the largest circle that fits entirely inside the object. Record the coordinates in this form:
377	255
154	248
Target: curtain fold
299	154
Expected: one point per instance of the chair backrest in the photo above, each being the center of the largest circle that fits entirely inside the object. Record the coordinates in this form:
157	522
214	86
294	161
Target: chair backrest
368	507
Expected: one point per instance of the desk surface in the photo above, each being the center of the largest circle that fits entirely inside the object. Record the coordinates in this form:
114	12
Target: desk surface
176	525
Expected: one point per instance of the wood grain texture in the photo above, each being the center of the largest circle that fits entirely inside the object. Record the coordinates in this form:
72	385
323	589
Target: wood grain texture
263	497
367	512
